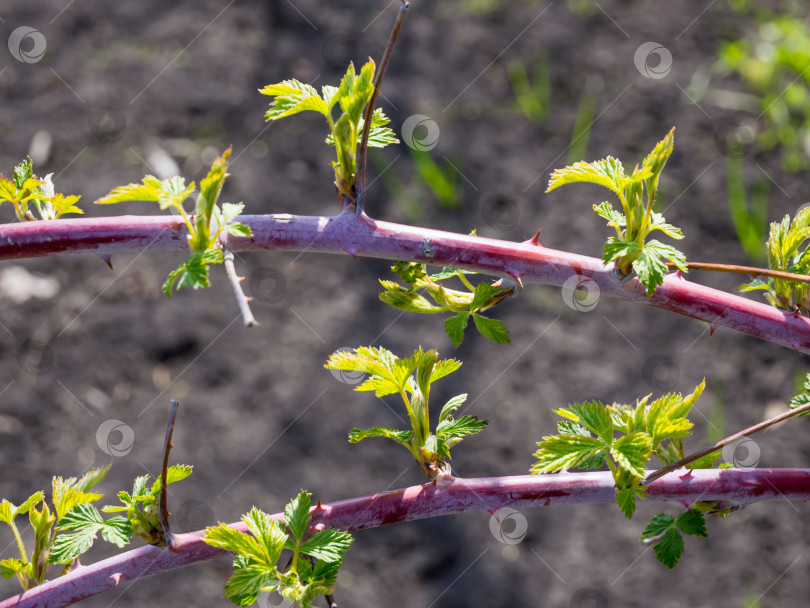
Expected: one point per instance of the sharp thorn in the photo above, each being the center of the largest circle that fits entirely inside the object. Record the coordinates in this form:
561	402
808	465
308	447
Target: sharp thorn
107	257
535	240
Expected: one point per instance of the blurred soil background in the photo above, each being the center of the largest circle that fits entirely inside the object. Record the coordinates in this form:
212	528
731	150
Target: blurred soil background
512	89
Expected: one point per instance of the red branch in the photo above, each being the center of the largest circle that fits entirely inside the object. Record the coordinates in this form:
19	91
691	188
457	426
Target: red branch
362	236
737	486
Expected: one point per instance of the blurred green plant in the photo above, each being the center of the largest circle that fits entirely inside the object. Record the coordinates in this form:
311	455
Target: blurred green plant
773	62
786	253
533	95
581	134
26	188
750	220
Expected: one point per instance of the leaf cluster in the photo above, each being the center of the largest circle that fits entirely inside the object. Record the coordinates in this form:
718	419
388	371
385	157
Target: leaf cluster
26	188
140	506
787	250
411	378
355	90
666	532
636	192
204	226
311	571
465	305
587	439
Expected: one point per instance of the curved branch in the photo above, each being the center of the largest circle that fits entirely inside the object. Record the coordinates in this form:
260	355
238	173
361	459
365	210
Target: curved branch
359	235
738	486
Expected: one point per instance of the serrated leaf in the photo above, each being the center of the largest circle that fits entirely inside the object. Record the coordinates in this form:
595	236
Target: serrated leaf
210	189
11	567
595	417
194	272
669	549
292	97
148	190
626	499
225	537
329	545
483	292
559	452
406	299
444	368
403	437
616	248
64	204
455	325
22	173
658	525
606	211
452	404
657	222
608	172
85	521
244	585
632	452
491	329
706	462
692	522
296	514
650	269
453	430
268	533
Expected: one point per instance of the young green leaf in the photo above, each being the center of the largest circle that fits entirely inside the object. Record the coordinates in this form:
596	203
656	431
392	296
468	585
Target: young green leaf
559	452
85	521
455	325
632	452
296	514
292	97
492	329
329	545
403	437
452	405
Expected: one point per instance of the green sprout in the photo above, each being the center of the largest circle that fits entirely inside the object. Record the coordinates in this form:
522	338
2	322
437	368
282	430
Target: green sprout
636	192
25	188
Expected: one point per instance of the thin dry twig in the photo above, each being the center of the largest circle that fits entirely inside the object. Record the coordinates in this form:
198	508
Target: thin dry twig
724	442
167	446
360	178
236	283
752	271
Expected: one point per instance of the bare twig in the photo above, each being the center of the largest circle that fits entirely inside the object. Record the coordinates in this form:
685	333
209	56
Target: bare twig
163	513
749	270
421	502
236	284
724	442
360	178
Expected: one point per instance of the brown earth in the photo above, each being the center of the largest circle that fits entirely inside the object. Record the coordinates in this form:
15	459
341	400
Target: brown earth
122	85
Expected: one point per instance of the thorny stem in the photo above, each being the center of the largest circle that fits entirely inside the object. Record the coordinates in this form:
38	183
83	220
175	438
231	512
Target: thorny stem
360	178
359	235
724	442
236	284
163	515
429	500
749	270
